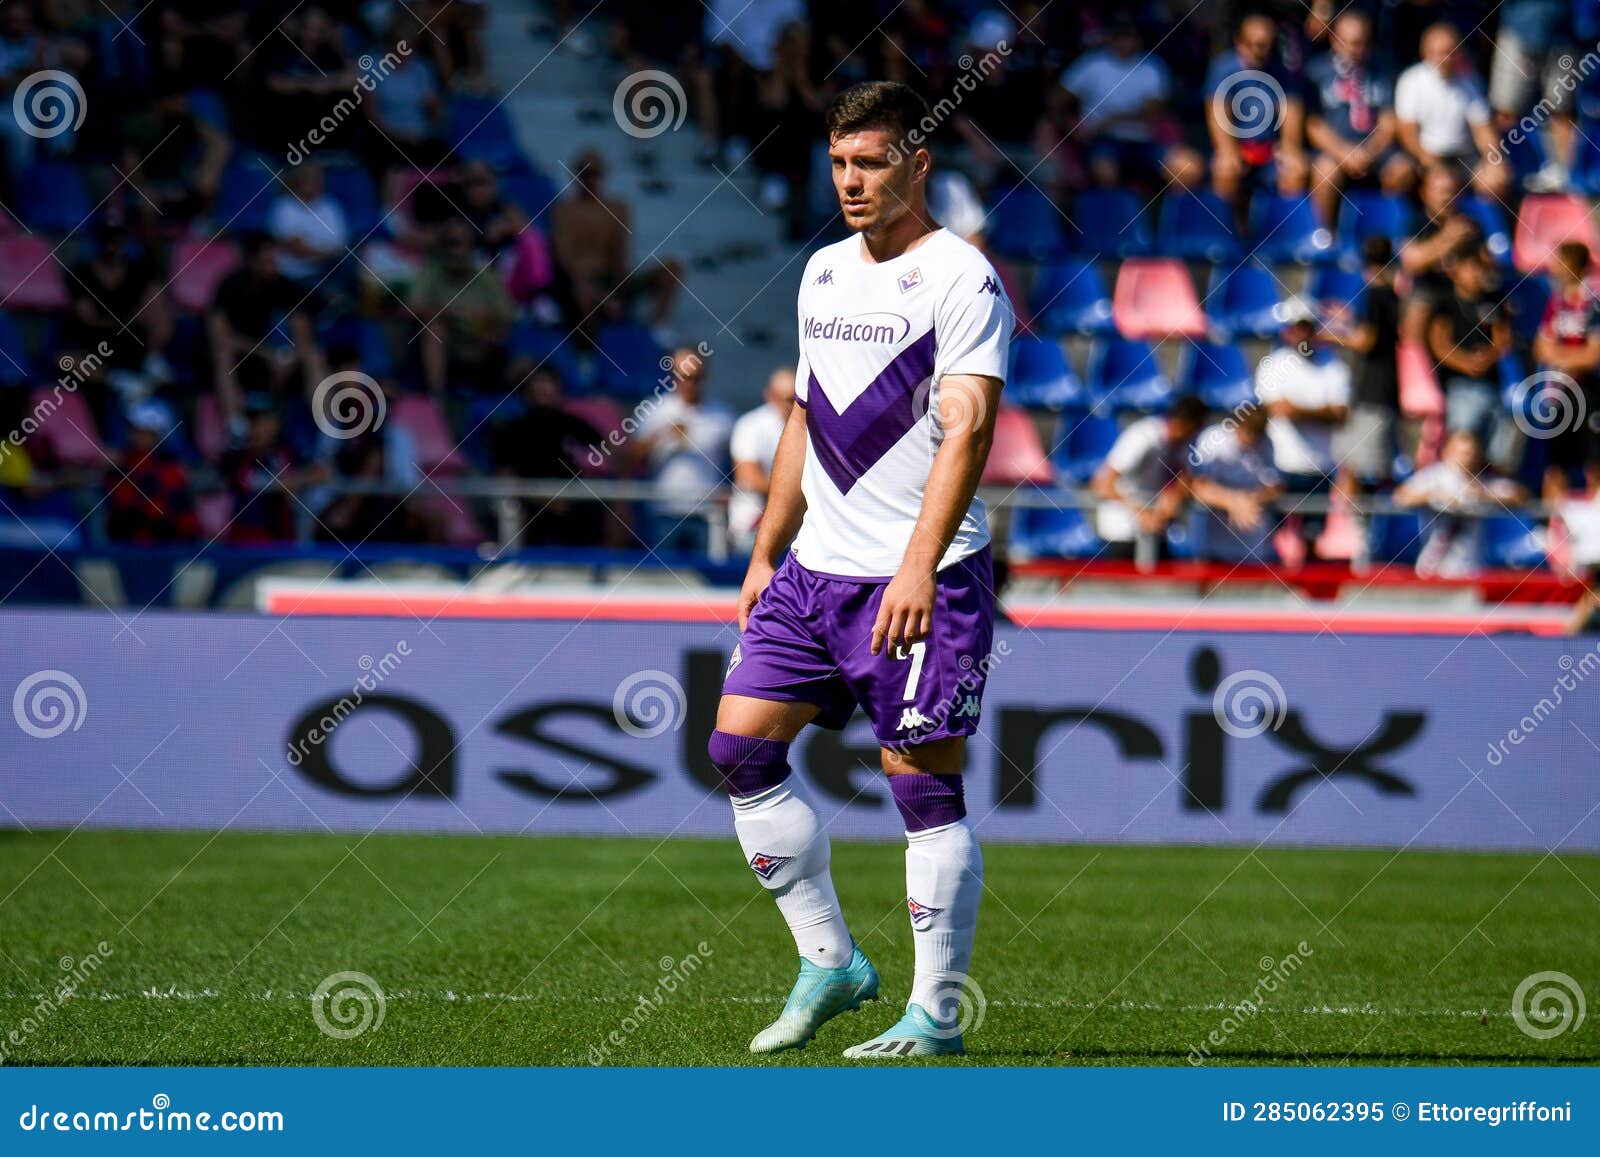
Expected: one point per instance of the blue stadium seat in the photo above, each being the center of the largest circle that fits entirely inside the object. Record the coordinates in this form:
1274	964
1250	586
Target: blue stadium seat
1528	295
1329	285
1367	213
1024	223
1083	439
244	200
1525	156
549	345
531	191
1243	300
1042	532
1286	229
1491	218
1197	227
479	129
1125	374
1510	540
1395	537
15	367
1218	373
352	187
1069	296
52	197
1109	223
1041	378
628	364
377	357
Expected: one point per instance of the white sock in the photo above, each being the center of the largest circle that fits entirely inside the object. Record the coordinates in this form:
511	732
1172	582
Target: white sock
789	852
944	884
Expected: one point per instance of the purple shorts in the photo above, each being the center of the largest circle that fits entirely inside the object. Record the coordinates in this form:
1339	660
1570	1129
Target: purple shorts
809	640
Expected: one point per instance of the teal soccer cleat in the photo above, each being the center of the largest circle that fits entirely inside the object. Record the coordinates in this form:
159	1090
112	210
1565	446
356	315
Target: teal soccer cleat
917	1035
819	995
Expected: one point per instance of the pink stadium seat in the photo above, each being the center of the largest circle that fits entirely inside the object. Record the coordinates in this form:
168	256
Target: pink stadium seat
214	510
67	428
1155	299
436	446
1018	457
198	268
1546	221
1420	396
29	275
210	430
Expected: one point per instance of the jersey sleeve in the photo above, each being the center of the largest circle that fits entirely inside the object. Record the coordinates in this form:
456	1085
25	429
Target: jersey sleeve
973	324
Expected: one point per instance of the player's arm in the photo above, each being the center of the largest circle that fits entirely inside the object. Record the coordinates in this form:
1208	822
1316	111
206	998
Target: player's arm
780	522
968	407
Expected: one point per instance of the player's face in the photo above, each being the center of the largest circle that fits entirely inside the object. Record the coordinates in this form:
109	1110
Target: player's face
877	181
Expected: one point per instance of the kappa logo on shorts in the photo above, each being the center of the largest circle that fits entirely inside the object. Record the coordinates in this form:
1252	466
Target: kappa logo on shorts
966	706
764	865
733	661
920	913
911	718
909	281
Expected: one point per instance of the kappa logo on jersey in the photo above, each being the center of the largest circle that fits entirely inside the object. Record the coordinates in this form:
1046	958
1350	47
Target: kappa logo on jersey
966	706
824	278
990	285
734	661
909	281
764	865
912	718
920	913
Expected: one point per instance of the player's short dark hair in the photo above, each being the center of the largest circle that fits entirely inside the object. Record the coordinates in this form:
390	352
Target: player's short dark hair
1189	409
876	104
1574	253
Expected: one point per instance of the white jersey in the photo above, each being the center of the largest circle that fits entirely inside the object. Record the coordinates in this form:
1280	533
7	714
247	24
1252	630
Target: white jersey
875	338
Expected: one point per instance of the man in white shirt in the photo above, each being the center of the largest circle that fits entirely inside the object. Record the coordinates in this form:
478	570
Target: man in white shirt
308	225
1442	113
685	440
1306	390
753	447
1121	92
1142	483
1454	486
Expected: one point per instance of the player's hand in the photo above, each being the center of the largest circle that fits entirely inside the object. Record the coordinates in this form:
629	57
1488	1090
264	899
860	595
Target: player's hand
755	581
905	615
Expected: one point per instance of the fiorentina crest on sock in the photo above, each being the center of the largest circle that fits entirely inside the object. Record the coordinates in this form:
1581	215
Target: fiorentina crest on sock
764	865
920	912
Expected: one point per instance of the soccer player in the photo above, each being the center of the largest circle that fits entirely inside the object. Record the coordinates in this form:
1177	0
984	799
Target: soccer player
871	583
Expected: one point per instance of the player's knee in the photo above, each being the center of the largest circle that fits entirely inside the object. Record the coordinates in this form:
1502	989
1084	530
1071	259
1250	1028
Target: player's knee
927	800
748	766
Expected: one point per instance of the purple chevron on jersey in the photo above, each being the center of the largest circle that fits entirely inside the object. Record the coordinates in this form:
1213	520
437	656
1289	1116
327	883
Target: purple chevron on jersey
850	442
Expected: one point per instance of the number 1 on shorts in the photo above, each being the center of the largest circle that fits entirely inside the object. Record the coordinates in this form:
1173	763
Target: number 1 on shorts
918	650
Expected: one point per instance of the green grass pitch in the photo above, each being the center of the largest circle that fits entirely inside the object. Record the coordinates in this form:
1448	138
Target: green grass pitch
537	951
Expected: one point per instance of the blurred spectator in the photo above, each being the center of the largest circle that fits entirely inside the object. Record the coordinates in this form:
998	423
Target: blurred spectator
198	44
251	305
546	440
466	315
117	298
684	439
172	160
260	472
1350	118
791	109
596	277
1467	337
309	227
452	31
1255	117
1458	484
1568	342
499	222
1305	387
743	35
1527	59
306	71
149	500
1443	114
996	118
1143	483
1445	230
955	204
406	112
1234	483
1367	443
355	519
753	446
1121	94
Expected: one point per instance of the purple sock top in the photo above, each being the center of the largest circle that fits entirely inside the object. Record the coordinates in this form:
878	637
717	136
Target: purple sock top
749	766
928	801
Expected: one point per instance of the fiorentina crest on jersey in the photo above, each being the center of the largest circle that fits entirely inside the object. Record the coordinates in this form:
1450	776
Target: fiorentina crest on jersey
734	661
920	913
909	281
764	865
